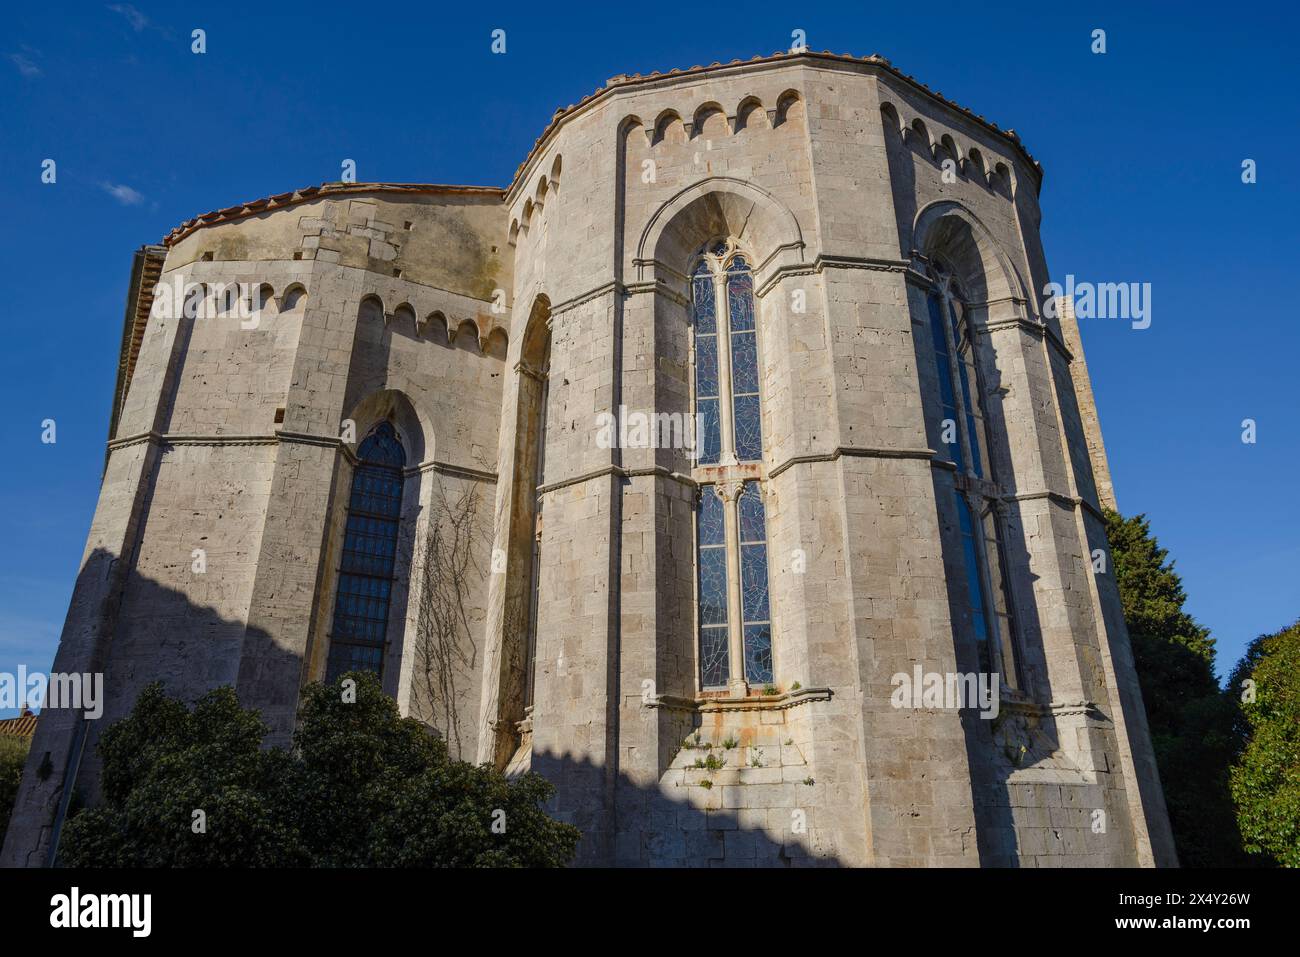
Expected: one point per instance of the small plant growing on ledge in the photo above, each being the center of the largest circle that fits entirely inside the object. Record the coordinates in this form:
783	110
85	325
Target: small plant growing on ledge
1015	756
706	784
712	762
756	758
809	781
730	742
770	690
796	686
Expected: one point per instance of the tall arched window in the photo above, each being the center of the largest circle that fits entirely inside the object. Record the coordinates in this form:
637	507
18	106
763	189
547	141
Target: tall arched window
733	619
365	587
964	441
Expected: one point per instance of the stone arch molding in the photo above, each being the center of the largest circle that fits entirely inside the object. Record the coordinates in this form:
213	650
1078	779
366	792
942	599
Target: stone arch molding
949	229
414	428
718	205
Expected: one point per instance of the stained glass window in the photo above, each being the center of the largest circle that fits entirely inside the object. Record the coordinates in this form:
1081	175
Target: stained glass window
947	398
974	581
729	416
704	320
712	563
746	413
1003	624
753	587
961	403
369	552
969	377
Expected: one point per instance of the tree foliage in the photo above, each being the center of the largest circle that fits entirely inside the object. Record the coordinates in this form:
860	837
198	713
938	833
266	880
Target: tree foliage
1266	779
13	755
1190	718
361	787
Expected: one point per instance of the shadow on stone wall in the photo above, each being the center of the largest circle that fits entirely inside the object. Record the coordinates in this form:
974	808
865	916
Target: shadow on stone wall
133	630
189	648
626	824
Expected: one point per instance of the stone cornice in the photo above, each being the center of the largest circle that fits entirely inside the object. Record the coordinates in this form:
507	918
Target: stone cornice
713	705
1055	709
604	289
616	471
829	261
1060	498
656	287
178	438
298	438
851	451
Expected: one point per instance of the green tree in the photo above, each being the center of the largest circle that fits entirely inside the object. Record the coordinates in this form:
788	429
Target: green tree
13	755
1266	778
1190	718
361	787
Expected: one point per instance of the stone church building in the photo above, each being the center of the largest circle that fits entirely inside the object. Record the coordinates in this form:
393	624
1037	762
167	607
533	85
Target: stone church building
365	426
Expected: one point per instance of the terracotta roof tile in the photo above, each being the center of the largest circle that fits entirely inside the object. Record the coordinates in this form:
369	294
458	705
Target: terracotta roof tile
23	726
311	192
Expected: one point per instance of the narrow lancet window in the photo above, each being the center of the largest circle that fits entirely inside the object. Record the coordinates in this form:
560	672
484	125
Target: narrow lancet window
733	613
964	441
365	586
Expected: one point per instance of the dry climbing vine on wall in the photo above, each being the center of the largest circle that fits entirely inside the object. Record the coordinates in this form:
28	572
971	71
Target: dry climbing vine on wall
446	655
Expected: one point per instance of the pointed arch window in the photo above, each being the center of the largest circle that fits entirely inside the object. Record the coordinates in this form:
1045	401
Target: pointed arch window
965	442
733	616
365	586
727	403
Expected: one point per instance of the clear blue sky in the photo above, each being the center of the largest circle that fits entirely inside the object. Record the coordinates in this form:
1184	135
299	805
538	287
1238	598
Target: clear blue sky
1142	149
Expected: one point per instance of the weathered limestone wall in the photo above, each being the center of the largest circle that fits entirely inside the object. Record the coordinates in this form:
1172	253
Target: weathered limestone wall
229	442
835	181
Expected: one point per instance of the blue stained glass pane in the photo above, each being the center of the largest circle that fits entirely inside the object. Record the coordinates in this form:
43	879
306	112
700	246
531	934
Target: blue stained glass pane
714	657
706	366
744	363
758	654
712	512
749	428
974	578
943	368
709	438
752	521
740	300
753	582
973	435
703	307
712	564
965	374
382	447
935	307
713	586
